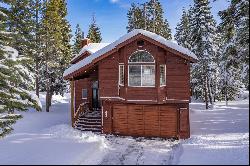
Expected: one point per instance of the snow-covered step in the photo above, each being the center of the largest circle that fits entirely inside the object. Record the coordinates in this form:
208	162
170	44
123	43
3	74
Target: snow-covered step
87	129
87	122
89	125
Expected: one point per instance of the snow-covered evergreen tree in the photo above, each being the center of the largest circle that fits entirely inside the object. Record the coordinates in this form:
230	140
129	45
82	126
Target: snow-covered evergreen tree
14	78
77	40
57	49
24	20
234	54
155	19
149	16
94	33
183	31
203	30
136	18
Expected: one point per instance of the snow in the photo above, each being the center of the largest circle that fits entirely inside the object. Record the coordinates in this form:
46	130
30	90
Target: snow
11	53
47	138
218	136
124	38
3	14
91	48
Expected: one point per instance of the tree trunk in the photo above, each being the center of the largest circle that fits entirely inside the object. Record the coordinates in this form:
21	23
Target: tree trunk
226	90
37	59
47	100
210	93
50	98
206	94
37	78
226	95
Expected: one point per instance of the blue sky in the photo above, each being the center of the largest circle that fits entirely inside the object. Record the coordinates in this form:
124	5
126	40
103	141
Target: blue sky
111	15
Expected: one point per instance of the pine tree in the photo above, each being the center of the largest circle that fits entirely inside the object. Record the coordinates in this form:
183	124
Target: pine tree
203	29
155	20
234	64
57	49
77	40
37	9
25	21
148	16
14	78
183	31
136	18
94	33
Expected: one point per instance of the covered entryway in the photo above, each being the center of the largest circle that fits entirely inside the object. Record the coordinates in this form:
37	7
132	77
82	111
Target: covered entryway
145	120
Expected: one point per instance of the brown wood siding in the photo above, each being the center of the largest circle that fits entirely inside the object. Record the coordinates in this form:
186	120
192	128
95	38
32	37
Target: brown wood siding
108	76
141	111
79	86
145	120
85	83
178	78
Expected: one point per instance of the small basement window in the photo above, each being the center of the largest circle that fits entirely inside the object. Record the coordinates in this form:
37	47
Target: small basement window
84	93
162	75
121	75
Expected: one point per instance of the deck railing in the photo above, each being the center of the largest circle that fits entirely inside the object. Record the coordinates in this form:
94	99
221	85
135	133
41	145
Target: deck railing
82	109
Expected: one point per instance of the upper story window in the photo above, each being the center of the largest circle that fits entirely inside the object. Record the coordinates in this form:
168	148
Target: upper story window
141	69
162	75
141	56
121	75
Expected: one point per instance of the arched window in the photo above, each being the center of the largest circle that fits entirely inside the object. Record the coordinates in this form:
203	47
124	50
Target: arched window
141	57
141	69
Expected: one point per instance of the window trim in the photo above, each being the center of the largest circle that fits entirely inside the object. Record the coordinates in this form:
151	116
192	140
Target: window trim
141	65
82	93
121	65
165	70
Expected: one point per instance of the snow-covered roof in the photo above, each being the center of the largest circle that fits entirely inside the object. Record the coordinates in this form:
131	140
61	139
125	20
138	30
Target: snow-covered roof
124	38
91	48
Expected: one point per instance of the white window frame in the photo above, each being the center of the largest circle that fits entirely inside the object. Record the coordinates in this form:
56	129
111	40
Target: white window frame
165	70
141	76
121	65
82	94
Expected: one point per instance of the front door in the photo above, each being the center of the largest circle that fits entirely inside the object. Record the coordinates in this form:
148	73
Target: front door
95	96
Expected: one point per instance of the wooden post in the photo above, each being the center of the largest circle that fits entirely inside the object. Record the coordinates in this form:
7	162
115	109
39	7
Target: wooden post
72	87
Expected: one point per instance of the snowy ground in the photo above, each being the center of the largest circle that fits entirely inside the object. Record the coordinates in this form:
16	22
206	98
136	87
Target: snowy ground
219	136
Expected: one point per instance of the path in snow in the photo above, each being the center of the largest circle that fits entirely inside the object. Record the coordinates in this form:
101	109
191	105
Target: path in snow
139	151
218	136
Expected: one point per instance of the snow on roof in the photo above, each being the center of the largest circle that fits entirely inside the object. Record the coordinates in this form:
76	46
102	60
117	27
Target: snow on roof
91	48
122	39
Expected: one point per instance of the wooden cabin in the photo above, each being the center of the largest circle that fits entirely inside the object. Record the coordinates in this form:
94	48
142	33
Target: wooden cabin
138	85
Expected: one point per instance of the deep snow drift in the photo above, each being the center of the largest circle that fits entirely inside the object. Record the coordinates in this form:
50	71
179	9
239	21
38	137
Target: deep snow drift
218	136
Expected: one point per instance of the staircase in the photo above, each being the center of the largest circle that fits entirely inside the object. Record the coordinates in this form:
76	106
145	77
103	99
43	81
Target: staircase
89	121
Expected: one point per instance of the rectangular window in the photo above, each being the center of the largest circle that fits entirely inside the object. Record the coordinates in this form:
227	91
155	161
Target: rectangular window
134	75
84	94
142	75
121	75
162	75
148	75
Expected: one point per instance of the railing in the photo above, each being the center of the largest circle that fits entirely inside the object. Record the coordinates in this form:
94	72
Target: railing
83	108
